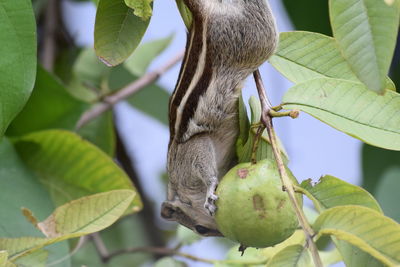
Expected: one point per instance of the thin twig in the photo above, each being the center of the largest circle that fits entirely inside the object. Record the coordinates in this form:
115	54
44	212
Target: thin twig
100	247
159	251
49	42
266	119
81	243
110	100
106	256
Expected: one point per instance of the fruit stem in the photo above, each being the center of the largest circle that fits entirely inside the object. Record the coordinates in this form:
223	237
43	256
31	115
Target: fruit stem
266	119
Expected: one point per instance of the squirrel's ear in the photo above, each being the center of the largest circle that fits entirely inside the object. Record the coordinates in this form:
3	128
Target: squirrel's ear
168	210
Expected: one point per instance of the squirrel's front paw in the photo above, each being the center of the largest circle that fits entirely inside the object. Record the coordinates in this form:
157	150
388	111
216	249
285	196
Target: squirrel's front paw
210	203
211	197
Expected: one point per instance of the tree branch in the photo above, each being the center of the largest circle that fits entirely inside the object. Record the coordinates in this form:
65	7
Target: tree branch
266	119
106	256
110	100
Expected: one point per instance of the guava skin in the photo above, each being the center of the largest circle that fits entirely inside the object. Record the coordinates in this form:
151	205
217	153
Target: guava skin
252	208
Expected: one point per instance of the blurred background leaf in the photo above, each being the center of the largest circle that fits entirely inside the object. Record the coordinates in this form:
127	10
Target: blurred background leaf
100	131
309	15
49	107
140	60
152	99
375	162
387	192
21	188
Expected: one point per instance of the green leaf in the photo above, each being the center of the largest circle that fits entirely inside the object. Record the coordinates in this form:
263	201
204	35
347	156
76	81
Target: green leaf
20	188
50	106
364	228
77	218
157	96
140	60
366	33
71	167
292	256
100	132
309	15
90	71
258	257
303	56
350	108
387	193
375	162
244	123
244	147
142	8
117	31
89	77
330	192
169	262
185	13
18	58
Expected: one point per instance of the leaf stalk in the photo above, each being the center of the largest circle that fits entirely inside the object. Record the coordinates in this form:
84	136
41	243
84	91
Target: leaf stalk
266	119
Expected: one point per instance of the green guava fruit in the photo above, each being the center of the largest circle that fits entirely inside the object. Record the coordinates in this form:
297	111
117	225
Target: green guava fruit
252	209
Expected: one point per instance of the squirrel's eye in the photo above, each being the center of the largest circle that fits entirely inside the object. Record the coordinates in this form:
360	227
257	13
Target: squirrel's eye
201	229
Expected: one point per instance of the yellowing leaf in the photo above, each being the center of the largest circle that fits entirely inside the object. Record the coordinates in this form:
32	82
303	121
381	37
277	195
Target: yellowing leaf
35	259
364	228
77	218
87	215
3	257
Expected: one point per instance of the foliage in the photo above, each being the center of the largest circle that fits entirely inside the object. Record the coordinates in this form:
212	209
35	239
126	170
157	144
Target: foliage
59	182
